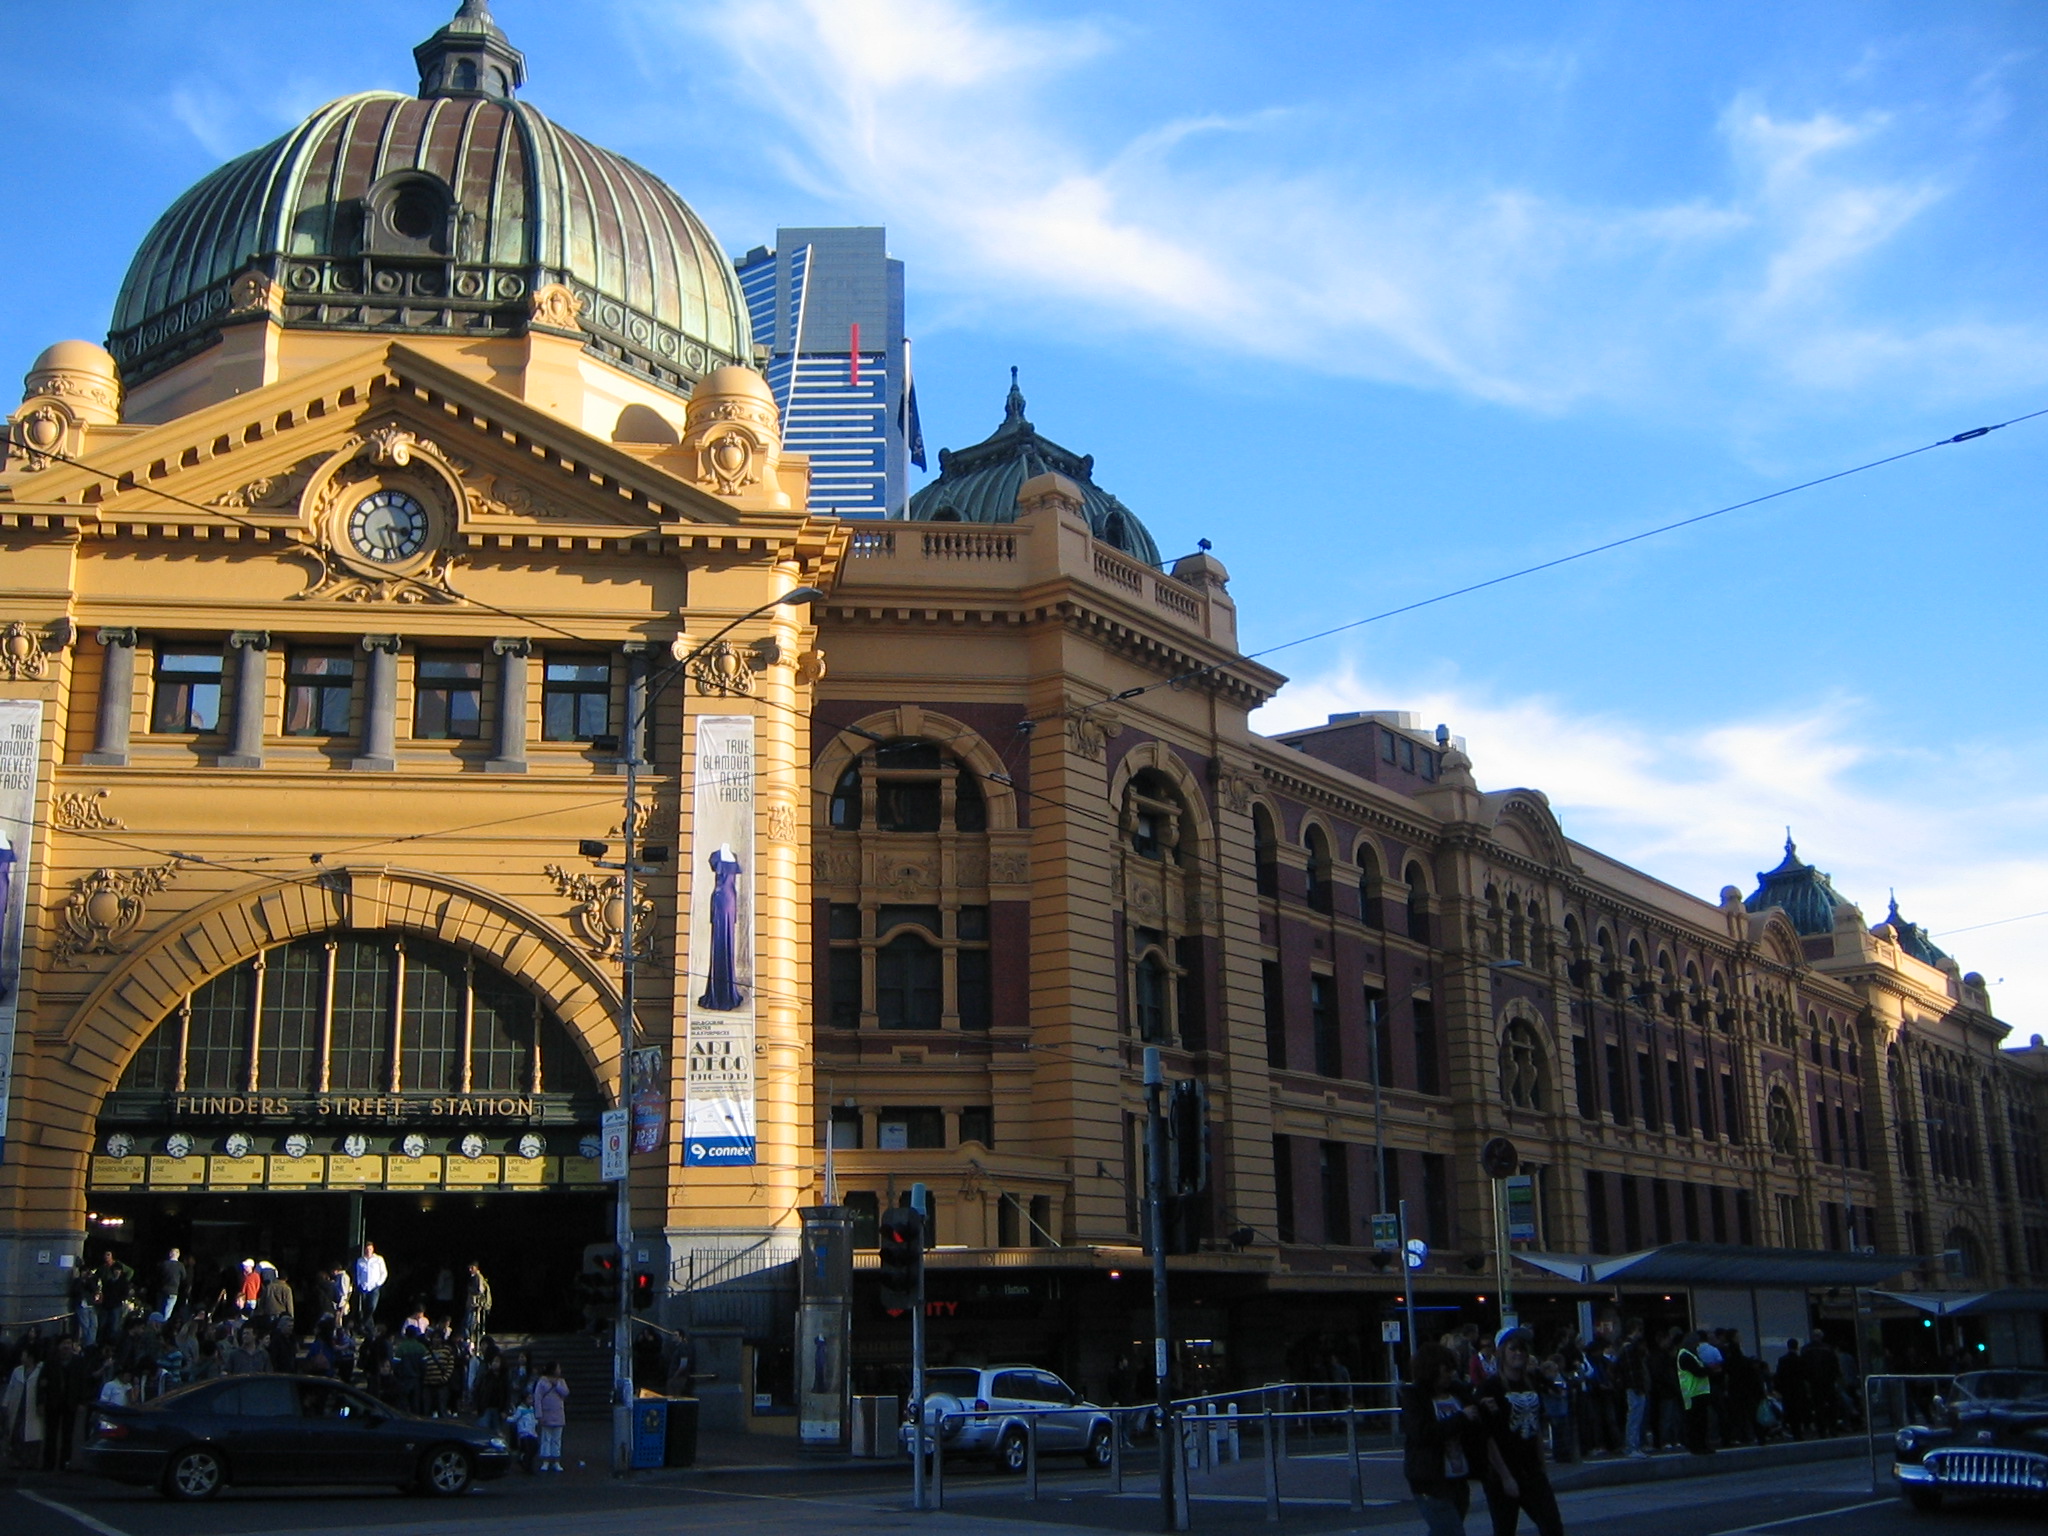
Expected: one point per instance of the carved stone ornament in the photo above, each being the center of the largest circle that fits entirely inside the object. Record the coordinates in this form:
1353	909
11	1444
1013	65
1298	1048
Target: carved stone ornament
599	915
254	293
1009	869
363	465
732	435
836	866
499	496
781	822
556	307
810	667
970	867
71	386
722	668
907	877
1090	728
1236	791
272	492
22	655
105	907
79	810
38	434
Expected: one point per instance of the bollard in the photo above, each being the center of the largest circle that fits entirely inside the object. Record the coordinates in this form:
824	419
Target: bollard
1236	1440
1282	1422
937	1486
1357	1471
1116	1454
1272	1465
1205	1438
1031	1459
1180	1485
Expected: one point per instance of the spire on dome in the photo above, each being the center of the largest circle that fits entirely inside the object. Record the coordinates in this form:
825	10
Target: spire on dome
1013	404
471	56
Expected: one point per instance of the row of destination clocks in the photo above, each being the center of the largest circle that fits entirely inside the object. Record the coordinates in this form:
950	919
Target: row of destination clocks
237	1144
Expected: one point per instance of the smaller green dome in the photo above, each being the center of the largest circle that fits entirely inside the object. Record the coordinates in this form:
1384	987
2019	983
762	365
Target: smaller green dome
980	484
1914	939
1807	896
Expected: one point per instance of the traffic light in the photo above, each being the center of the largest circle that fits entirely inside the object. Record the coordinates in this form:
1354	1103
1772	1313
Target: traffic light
597	1287
1187	1138
643	1290
901	1234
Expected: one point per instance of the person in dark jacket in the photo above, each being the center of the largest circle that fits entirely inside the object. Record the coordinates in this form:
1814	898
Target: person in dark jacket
1823	1384
1439	1430
1511	1414
1793	1391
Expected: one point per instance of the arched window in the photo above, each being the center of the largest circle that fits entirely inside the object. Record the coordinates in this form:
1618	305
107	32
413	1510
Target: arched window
914	786
1265	851
1418	903
910	983
1963	1254
1320	891
1523	1082
377	1013
846	800
1781	1122
1155	819
1368	886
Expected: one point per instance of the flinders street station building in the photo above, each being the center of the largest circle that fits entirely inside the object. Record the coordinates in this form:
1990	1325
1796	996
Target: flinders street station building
425	475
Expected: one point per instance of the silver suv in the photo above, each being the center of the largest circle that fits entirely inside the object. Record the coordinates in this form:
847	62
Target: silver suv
987	1412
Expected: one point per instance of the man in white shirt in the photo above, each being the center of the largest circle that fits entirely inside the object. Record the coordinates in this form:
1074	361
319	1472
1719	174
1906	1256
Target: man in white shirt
371	1274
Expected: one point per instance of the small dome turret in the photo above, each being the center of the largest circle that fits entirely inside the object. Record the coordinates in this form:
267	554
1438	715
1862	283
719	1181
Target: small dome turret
1807	896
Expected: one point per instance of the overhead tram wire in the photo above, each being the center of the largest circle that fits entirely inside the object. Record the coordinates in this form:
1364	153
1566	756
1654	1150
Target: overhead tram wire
1582	554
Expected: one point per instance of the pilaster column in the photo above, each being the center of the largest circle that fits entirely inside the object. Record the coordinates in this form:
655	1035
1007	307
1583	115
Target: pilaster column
245	749
510	756
380	707
117	699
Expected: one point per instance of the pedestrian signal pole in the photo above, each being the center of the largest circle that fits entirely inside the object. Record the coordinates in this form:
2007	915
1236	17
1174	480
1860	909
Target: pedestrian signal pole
901	1238
1162	1317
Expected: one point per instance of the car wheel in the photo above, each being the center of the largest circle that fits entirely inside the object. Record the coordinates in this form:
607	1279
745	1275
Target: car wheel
1011	1451
445	1472
1926	1500
1099	1446
196	1473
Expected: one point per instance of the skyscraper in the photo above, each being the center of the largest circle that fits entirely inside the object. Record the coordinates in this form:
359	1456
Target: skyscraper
827	304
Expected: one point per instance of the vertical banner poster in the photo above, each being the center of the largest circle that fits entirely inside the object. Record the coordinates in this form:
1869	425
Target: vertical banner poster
823	1325
21	726
649	1100
718	1076
1521	1193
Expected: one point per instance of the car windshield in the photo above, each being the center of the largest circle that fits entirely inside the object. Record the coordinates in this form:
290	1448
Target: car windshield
952	1383
187	1396
2004	1386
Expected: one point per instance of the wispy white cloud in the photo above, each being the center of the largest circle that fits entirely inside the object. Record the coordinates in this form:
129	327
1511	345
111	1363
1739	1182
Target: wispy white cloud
1959	829
953	119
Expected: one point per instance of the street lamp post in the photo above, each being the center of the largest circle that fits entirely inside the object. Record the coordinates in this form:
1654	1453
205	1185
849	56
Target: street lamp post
629	865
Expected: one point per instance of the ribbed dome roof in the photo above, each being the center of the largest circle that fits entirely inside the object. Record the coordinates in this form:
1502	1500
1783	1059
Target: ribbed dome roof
441	214
1808	896
980	484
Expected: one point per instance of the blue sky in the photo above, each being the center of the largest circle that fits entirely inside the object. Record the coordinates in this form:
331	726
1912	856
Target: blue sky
1382	299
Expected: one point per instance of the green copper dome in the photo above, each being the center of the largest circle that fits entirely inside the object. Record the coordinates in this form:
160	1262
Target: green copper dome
441	214
980	484
1808	896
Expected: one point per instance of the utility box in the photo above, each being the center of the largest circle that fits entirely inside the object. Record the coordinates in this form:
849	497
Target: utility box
875	1424
650	1433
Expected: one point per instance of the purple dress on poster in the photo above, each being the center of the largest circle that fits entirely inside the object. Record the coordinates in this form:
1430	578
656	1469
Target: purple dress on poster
722	989
9	971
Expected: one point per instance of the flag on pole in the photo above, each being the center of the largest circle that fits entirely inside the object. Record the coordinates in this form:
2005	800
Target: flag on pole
906	412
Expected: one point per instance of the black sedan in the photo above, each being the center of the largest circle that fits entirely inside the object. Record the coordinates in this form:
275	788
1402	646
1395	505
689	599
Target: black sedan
279	1430
1992	1439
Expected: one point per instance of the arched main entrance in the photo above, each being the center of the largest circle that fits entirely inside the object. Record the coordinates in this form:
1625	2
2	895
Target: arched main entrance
354	1084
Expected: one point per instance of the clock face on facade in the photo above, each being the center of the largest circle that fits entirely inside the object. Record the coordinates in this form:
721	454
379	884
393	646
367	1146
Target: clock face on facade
387	527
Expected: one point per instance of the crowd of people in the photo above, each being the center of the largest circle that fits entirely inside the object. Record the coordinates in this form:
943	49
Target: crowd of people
1493	1411
135	1338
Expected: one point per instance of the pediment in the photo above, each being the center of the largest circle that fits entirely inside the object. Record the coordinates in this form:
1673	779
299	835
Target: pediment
1523	823
246	463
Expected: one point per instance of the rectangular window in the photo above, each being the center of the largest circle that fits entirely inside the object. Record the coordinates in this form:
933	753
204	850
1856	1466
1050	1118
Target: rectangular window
1283	1188
978	1123
1148	995
1617	1085
1731	1119
1703	1094
1863	1160
1009	1223
1690	1200
317	688
1660	1209
1598	1235
1674	1095
1041	1222
900	1129
1388	1185
217	1034
1821	1139
1386	746
867	1217
1428	1072
1745	1220
909	980
1322	1012
1717	1209
1336	1177
448	699
1631	1215
359	1047
1831	1224
1189	997
1379	1035
501	1040
430	1054
844	989
1842	1140
1436	1199
576	698
977	999
294	988
1646	1090
1275	989
187	691
1583	1076
845	1129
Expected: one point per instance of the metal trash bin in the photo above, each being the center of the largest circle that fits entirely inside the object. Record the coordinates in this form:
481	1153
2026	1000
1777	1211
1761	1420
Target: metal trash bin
682	1432
650	1433
876	1421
